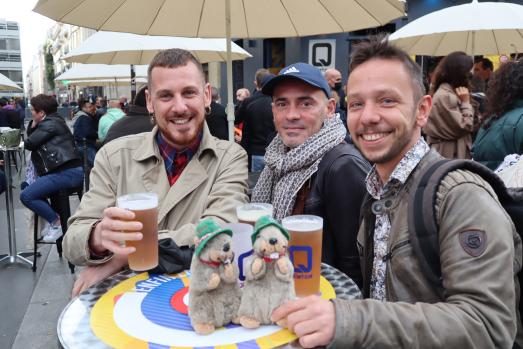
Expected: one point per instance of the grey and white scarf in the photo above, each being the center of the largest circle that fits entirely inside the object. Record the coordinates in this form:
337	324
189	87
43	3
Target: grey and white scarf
286	170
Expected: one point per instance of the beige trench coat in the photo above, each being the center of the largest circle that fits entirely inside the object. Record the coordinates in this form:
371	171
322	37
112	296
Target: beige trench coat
212	185
450	125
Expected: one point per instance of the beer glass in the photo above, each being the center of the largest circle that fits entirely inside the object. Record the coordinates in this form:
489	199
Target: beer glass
249	213
241	245
145	208
305	252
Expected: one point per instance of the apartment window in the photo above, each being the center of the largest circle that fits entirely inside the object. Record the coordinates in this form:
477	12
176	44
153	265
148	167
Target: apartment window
7	57
13	44
12	26
3	44
3	26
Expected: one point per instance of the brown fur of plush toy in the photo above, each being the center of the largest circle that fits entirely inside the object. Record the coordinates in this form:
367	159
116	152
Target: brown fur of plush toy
269	279
214	293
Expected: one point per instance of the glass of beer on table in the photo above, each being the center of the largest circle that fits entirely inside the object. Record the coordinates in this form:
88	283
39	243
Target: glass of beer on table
305	252
249	213
145	208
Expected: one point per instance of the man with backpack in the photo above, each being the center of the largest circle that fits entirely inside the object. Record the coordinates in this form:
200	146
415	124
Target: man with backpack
473	302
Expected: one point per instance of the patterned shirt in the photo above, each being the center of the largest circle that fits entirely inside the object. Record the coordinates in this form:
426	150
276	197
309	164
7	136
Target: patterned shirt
382	229
175	161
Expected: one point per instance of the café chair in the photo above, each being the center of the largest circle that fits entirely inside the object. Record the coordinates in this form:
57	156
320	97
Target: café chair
59	203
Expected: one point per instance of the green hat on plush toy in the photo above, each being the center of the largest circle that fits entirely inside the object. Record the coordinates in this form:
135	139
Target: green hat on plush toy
265	221
206	231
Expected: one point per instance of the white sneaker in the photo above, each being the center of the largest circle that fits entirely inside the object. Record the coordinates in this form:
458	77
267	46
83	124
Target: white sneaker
53	234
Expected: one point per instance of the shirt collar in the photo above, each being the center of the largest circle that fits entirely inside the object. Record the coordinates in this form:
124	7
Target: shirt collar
400	173
169	153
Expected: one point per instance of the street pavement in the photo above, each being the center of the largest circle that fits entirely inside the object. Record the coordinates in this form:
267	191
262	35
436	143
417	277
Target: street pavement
30	303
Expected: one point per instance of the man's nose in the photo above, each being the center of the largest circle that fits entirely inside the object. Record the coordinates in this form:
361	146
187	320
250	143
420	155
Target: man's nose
293	112
369	114
178	104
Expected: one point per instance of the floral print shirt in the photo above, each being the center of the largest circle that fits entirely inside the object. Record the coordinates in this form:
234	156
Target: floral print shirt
382	229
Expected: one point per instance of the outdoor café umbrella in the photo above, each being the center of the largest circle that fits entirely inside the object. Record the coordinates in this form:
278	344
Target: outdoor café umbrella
8	84
477	28
224	18
101	72
126	48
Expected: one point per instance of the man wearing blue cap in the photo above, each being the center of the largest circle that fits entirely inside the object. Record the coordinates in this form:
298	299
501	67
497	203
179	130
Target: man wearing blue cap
310	169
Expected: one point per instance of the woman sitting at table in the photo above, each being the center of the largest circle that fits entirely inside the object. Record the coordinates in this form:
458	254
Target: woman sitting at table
56	162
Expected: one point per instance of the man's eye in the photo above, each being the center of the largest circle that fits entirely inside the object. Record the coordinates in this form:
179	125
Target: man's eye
355	105
388	101
189	93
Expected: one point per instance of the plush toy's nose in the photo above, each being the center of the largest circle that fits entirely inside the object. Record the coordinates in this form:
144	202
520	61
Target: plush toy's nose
226	247
273	241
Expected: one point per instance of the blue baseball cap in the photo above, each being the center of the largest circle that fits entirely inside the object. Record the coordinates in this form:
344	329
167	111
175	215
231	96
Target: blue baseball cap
300	71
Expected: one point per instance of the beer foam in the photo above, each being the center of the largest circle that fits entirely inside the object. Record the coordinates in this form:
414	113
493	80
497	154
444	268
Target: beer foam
303	223
138	201
251	212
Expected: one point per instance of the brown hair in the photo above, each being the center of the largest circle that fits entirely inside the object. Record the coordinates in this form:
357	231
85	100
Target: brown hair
45	103
173	58
378	47
504	89
454	69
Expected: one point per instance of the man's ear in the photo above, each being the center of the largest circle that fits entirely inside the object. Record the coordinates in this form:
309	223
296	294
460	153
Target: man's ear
423	110
331	107
207	98
149	100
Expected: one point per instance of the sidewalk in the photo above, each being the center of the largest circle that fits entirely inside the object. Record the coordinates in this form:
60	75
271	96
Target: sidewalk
31	303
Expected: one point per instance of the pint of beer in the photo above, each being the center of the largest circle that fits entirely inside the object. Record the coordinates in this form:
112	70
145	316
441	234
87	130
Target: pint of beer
249	213
145	207
305	252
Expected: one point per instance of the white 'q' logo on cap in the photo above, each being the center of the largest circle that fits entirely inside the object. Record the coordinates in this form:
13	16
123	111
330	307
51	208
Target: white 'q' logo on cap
291	70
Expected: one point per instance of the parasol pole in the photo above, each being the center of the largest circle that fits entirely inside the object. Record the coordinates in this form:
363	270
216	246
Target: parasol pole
230	106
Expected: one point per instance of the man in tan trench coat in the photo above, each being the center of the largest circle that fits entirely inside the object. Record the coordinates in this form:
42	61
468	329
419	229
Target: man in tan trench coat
194	174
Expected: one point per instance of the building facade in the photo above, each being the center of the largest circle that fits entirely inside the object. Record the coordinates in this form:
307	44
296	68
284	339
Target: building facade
10	56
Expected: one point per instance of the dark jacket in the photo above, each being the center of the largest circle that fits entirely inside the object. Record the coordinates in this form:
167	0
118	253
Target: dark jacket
217	121
136	121
258	125
503	137
52	145
85	127
337	192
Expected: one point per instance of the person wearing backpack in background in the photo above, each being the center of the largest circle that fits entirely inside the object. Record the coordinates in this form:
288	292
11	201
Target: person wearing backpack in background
479	258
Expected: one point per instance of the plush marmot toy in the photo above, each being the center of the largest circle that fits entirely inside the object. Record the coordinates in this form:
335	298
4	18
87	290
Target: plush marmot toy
214	292
268	276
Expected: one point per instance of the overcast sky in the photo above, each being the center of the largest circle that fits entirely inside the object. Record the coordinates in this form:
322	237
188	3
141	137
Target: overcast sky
33	27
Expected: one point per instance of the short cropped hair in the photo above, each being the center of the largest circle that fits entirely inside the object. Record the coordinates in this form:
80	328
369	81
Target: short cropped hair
140	99
260	76
378	47
45	103
173	58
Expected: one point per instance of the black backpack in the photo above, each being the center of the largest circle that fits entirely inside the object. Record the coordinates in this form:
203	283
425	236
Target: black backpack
423	226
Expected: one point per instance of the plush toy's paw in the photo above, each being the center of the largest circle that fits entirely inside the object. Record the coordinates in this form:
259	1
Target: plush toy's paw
257	265
282	266
248	322
214	281
236	320
203	328
228	272
282	323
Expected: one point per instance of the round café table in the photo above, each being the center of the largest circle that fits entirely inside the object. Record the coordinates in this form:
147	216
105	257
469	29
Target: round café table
74	330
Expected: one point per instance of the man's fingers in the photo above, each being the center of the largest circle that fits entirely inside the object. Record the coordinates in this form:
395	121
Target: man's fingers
121	226
118	213
314	340
289	307
116	248
119	236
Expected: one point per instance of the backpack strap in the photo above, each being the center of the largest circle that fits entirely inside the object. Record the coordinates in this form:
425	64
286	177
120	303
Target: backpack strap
422	220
